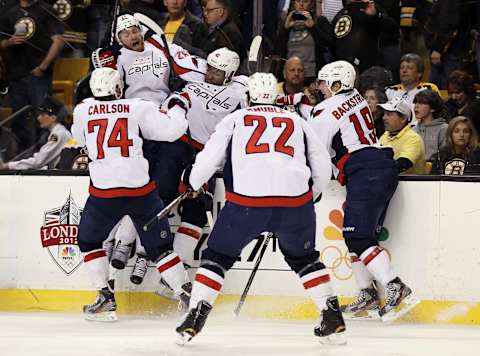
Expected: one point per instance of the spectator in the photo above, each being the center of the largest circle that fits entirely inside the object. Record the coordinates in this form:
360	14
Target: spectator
462	97
150	8
431	124
34	43
8	144
356	33
447	36
99	17
461	154
411	72
293	73
375	96
329	8
50	115
300	35
222	31
183	28
408	148
375	76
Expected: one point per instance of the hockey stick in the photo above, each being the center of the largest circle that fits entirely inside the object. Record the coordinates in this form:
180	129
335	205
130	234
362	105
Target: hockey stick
253	54
165	211
252	275
116	11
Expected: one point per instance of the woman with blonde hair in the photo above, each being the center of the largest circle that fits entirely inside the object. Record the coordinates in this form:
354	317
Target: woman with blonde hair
461	154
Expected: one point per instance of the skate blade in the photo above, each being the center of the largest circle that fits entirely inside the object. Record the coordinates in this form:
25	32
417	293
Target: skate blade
335	339
105	317
363	315
183	338
405	306
166	293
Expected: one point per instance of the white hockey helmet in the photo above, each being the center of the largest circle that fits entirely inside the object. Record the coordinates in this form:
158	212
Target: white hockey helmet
226	60
105	82
124	22
263	88
339	71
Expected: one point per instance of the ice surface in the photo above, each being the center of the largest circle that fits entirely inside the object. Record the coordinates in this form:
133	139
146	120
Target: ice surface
52	334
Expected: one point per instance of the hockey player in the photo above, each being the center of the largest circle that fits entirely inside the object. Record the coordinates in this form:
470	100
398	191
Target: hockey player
345	125
145	66
252	145
112	129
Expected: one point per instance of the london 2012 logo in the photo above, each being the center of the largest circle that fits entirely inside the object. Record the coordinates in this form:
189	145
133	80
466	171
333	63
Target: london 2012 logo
59	235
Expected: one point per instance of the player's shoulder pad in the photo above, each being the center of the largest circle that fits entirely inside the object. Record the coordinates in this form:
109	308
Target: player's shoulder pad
240	79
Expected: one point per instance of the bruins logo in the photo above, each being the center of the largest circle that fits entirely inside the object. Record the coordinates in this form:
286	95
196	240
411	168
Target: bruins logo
343	26
63	9
455	167
29	24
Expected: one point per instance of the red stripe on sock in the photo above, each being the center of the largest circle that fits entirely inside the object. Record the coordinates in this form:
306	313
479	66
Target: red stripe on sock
208	282
376	251
316	281
354	258
167	265
189	232
94	255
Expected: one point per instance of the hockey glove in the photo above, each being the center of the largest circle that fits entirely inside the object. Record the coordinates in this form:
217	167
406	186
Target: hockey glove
292	99
104	57
180	99
185	187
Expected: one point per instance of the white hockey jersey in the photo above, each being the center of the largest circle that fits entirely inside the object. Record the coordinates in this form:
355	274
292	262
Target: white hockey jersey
113	132
344	123
269	156
146	73
210	104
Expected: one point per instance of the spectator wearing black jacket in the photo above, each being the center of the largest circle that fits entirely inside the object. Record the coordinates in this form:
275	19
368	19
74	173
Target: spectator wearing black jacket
448	37
222	30
183	28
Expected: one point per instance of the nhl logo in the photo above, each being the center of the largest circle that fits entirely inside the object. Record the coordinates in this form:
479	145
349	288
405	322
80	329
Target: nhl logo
59	235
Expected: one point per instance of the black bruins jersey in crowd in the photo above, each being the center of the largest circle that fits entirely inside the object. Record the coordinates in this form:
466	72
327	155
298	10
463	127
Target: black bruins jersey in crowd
356	35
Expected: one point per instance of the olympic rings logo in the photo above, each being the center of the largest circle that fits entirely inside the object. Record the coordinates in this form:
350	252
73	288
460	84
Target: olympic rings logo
338	262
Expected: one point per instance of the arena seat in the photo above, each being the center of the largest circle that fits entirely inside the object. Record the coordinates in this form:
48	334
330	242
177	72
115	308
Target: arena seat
66	73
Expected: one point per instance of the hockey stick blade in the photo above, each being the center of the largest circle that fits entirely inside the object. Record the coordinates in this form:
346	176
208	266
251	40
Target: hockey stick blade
149	23
252	275
254	49
165	211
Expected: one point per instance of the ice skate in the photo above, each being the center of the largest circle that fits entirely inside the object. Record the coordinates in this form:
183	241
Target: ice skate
399	301
365	307
331	327
184	297
103	309
164	290
193	322
120	255
139	269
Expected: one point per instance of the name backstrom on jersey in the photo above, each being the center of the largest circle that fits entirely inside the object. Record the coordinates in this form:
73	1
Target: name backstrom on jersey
108	109
347	105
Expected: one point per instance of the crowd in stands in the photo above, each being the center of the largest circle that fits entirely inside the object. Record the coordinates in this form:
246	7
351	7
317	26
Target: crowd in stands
418	62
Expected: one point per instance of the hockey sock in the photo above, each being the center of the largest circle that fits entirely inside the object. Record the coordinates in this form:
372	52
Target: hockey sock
172	271
96	262
206	287
317	284
362	276
378	264
185	241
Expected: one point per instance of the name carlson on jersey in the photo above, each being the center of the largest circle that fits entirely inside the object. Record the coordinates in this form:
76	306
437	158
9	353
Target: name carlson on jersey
211	97
347	105
108	109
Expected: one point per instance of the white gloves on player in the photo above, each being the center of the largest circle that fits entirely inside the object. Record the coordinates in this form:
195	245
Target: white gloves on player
180	99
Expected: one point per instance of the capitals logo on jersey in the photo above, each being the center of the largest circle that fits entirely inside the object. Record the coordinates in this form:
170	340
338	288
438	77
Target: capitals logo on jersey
145	65
59	235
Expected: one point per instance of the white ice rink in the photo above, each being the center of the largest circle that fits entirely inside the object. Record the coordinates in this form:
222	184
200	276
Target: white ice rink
39	334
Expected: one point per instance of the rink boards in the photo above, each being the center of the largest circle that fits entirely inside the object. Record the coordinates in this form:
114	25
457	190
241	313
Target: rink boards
431	234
